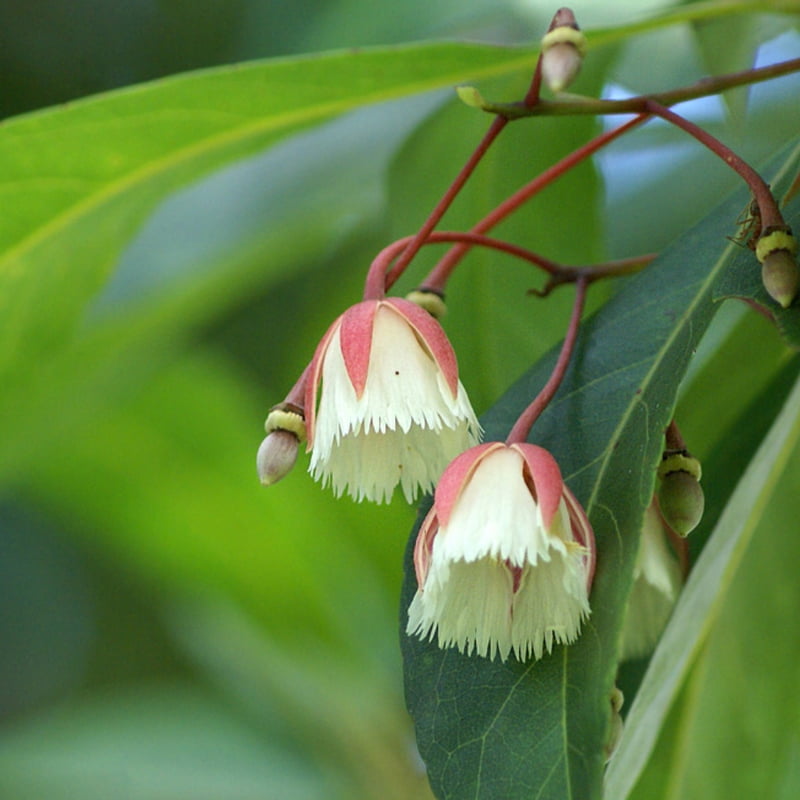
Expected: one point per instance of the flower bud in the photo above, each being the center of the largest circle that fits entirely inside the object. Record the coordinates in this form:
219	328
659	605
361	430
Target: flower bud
780	276
286	429
776	250
470	96
680	496
276	456
563	48
430	300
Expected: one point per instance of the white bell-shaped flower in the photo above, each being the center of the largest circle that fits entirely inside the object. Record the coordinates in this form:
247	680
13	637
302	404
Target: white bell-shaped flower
384	405
505	558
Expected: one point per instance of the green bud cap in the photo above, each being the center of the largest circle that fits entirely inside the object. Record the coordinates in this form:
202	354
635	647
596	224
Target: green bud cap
429	300
780	276
679	461
681	500
563	49
287	417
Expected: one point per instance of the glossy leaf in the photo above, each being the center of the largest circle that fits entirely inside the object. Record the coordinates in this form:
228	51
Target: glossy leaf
488	729
79	180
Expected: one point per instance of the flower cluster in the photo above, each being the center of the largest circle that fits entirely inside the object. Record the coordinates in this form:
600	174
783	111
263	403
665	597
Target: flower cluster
505	559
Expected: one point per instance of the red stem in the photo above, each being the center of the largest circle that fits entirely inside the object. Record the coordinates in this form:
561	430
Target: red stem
376	283
522	427
469	239
297	393
440	274
770	215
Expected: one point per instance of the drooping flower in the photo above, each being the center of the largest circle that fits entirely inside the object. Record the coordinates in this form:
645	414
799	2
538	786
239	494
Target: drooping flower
384	405
656	583
505	558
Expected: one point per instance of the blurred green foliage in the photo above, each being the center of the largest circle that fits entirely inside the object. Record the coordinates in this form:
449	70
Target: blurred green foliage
169	628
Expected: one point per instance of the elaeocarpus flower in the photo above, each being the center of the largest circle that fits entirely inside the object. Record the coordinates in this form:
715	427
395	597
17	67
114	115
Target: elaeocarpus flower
505	558
384	405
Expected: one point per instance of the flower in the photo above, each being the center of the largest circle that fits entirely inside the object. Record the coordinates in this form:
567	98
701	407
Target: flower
656	583
505	558
391	407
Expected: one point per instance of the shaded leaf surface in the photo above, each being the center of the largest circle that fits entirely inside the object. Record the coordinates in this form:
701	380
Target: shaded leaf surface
488	729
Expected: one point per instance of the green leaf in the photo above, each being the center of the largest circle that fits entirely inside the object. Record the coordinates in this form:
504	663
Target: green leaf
725	436
80	179
704	421
698	608
488	729
730	44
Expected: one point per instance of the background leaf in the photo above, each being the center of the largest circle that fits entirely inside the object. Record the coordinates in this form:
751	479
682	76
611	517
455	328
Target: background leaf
164	742
702	600
108	160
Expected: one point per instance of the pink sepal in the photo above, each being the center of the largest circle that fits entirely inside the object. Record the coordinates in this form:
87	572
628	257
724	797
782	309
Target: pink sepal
423	547
546	476
583	533
430	334
313	380
356	341
455	477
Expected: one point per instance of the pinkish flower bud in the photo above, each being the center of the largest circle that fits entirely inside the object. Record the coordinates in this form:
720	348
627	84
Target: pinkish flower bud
563	49
276	456
384	404
505	558
656	584
285	429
